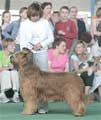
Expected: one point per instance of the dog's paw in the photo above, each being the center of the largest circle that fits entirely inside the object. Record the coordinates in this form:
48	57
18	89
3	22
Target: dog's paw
25	112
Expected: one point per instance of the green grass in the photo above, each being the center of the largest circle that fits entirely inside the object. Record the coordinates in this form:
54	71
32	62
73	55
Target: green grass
57	111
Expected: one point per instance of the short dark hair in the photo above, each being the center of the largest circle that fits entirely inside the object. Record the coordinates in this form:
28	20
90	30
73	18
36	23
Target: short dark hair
73	7
55	12
58	41
98	12
34	10
6	42
44	4
3	14
86	37
22	9
65	7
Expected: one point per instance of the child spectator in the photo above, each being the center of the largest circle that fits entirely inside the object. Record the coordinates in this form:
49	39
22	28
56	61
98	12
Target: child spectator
9	78
12	30
66	27
58	60
55	17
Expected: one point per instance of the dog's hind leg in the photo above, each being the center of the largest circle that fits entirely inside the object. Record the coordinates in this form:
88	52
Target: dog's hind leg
29	97
75	99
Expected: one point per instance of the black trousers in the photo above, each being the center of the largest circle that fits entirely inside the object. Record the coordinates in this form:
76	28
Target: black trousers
88	80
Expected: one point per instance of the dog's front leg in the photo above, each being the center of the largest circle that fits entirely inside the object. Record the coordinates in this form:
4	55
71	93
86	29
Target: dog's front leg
29	95
29	108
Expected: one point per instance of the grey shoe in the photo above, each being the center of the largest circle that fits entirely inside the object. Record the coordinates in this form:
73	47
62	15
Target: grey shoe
43	108
43	111
99	99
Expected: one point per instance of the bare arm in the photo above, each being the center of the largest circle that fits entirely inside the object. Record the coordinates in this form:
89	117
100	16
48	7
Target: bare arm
66	68
49	67
76	67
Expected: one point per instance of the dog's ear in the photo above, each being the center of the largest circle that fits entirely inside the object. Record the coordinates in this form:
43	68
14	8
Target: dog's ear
26	50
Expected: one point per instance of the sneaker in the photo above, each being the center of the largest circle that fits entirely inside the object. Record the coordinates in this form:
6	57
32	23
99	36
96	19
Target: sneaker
16	98
43	111
3	98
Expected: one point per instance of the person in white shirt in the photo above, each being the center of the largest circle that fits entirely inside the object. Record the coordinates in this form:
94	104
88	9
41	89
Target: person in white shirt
36	34
96	48
37	31
96	52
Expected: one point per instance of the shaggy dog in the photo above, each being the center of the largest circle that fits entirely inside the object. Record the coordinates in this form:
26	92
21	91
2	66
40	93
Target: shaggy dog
37	85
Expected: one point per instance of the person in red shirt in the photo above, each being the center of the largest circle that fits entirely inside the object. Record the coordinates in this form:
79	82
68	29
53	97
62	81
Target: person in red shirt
66	28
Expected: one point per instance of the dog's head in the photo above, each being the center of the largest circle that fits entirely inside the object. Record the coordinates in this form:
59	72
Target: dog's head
22	57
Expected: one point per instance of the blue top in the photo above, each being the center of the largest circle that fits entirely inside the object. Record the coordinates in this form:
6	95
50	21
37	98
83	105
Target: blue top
11	30
75	57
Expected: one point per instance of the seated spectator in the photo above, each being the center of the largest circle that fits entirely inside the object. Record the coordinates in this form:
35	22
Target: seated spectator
9	79
96	52
58	60
96	48
87	38
81	56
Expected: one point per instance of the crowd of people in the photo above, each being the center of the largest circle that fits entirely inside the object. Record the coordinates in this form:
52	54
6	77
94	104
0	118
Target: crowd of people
59	42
